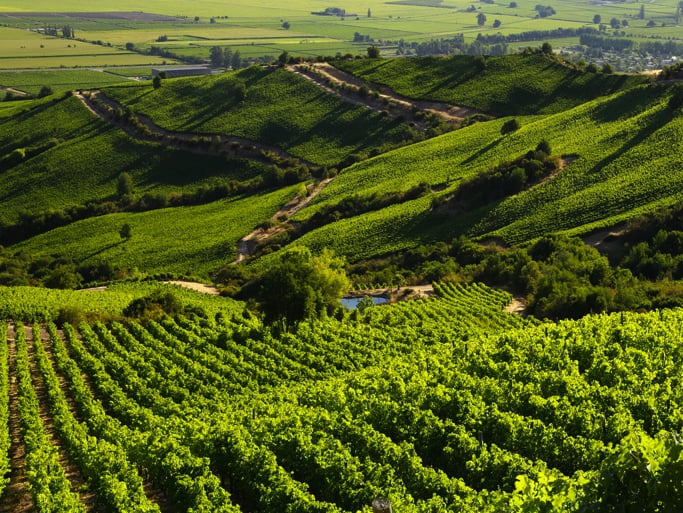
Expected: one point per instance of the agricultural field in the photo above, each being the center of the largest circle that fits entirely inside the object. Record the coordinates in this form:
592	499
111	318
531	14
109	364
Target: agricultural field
21	49
63	135
618	157
189	29
451	186
183	241
477	410
257	104
31	82
506	86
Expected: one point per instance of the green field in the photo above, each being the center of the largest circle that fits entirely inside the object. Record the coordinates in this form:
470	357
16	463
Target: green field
21	49
31	82
246	24
620	146
325	130
136	396
511	85
478	409
83	156
185	241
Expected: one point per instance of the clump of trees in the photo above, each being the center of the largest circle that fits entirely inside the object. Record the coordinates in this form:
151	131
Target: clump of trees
154	306
359	204
300	286
506	178
20	268
544	10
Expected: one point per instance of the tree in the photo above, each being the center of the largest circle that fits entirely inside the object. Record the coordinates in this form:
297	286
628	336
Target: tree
512	5
544	146
547	48
481	19
227	57
597	19
45	91
592	68
236	60
124	185
283	58
496	23
641	14
63	277
373	52
369	13
126	232
510	126
216	56
607	68
615	23
130	46
286	25
301	286
156	82
196	19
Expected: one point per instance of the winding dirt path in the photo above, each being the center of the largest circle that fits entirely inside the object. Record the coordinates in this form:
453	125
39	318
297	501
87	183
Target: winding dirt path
380	97
144	129
247	244
196	286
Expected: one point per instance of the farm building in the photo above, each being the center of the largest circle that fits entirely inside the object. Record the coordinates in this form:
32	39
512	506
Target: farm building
182	72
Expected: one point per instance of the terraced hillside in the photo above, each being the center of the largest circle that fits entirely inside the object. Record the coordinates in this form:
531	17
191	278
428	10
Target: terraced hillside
614	151
271	106
506	86
443	404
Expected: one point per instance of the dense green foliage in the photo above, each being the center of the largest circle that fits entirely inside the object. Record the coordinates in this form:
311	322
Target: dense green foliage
185	241
618	164
440	404
508	85
70	159
271	106
301	286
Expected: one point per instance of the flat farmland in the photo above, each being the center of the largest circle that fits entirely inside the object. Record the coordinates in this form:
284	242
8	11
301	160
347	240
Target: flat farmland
191	28
31	82
21	49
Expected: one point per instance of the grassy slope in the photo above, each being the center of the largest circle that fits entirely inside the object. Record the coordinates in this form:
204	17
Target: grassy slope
625	164
86	164
280	109
189	241
509	85
442	161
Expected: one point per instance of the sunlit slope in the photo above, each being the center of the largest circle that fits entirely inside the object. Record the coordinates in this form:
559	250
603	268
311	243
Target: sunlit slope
71	157
191	241
621	159
507	85
271	106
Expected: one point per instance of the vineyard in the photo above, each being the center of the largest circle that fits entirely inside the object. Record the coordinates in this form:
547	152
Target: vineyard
504	86
269	106
442	404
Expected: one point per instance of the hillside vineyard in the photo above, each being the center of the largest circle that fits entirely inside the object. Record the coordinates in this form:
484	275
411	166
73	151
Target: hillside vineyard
443	404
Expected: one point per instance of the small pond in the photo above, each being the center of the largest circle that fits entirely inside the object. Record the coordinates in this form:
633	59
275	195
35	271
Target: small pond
351	302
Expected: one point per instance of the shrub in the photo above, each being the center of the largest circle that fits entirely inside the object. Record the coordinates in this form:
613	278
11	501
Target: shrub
510	126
